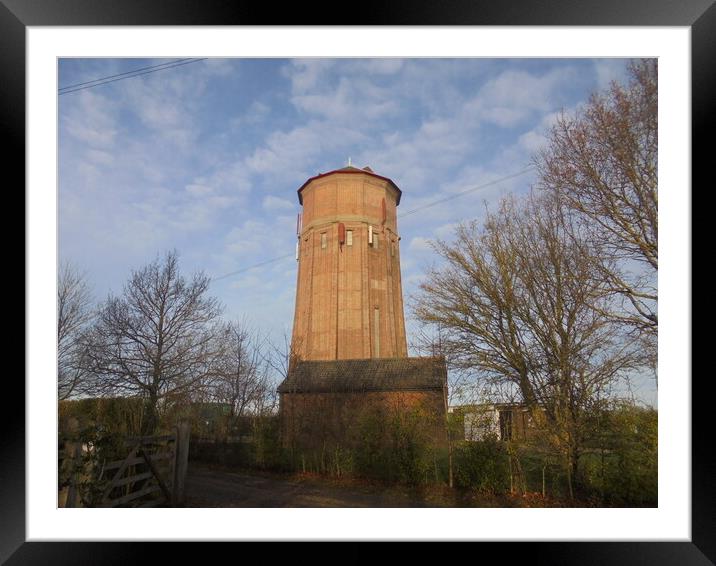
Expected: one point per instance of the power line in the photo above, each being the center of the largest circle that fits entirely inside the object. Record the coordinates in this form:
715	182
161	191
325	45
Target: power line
461	193
121	78
125	73
251	267
428	205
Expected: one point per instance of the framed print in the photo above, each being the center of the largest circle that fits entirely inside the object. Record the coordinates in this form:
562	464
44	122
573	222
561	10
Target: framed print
39	41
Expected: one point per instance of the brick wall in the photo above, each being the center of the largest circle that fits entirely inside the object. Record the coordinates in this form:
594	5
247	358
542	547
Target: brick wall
315	420
340	287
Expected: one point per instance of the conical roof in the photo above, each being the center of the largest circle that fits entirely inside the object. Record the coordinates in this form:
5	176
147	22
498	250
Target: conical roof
350	170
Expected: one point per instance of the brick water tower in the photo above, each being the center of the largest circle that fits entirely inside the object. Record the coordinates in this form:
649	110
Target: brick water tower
350	363
349	299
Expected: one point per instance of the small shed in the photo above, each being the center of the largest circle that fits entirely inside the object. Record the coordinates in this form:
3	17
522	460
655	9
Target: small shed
501	421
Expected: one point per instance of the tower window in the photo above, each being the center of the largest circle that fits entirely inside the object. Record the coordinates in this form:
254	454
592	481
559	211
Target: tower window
349	237
376	332
324	240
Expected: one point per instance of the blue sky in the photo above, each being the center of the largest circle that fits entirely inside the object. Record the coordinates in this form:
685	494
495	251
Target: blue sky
207	157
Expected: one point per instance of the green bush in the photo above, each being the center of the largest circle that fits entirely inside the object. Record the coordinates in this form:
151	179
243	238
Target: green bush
259	449
96	446
542	469
411	455
115	415
394	449
370	448
622	467
266	441
482	465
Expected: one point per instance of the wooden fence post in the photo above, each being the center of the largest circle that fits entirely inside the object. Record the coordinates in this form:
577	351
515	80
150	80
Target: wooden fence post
181	455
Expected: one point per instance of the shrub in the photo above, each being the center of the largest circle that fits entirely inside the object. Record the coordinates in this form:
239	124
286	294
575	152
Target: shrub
394	448
96	446
116	415
624	471
482	465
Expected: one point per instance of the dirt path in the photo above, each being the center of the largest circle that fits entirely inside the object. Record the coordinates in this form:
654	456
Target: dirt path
207	487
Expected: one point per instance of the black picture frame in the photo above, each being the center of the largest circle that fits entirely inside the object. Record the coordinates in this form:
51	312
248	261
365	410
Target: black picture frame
699	15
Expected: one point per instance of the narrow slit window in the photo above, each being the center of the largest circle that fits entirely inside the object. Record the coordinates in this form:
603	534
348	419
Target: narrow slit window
324	240
376	332
349	237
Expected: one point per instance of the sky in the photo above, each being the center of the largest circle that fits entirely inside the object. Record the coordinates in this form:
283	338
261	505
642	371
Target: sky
206	158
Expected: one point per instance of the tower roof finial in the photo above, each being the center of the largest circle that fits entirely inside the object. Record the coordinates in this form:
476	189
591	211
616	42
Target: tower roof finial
349	161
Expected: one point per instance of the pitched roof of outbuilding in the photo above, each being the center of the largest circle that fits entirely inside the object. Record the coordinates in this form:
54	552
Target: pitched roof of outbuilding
377	374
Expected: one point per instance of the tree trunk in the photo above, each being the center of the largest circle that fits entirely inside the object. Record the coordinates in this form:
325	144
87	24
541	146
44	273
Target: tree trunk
576	480
151	420
572	470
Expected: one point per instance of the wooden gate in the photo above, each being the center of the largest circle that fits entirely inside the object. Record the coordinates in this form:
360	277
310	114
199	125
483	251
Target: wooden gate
145	478
152	473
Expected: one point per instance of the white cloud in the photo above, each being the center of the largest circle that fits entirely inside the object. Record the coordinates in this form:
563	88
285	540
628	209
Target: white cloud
513	96
532	141
352	99
219	66
380	66
288	156
198	190
609	70
445	231
167	103
276	204
415	158
413	280
252	281
258	239
90	118
505	117
258	111
100	157
305	73
420	245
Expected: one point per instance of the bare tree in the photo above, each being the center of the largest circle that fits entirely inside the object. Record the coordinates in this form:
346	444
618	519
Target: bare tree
602	163
282	355
74	314
156	339
241	372
515	303
461	385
